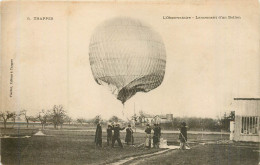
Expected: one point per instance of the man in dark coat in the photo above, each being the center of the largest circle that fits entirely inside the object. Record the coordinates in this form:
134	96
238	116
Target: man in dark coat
129	135
148	131
98	136
183	136
116	136
109	134
156	136
159	130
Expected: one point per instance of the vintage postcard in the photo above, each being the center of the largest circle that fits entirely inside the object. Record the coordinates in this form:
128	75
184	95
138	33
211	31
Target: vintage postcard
130	82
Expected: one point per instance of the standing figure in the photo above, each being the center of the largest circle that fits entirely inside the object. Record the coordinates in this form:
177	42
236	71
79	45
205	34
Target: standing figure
148	131
159	129
129	135
116	136
156	136
98	136
109	134
160	133
183	136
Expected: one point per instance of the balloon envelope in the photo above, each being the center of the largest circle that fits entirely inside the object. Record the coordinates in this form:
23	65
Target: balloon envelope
128	56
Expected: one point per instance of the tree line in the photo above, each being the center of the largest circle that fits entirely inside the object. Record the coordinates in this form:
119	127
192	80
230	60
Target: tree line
57	116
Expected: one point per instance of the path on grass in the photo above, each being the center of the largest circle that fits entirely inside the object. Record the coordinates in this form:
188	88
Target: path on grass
136	158
142	131
140	158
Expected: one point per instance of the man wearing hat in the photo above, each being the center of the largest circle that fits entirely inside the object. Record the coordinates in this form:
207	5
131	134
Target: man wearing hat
116	136
183	136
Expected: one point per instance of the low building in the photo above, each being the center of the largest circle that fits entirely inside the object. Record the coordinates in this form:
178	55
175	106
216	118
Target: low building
158	119
146	119
246	125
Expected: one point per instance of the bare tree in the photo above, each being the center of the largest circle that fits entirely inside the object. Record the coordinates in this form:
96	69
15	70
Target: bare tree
81	121
68	119
26	117
57	115
33	119
114	119
43	117
6	115
14	117
62	120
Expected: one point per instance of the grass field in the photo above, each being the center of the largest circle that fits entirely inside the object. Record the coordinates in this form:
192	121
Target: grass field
77	147
63	147
211	154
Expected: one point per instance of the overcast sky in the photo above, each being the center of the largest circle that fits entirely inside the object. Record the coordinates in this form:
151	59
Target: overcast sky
209	62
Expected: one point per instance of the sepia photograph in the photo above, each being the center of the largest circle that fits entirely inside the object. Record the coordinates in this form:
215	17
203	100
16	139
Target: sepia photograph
130	82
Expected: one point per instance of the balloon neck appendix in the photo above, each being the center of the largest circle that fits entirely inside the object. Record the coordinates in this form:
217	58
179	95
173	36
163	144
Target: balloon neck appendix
128	56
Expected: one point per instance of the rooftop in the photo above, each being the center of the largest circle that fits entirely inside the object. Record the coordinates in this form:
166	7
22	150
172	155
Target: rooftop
246	98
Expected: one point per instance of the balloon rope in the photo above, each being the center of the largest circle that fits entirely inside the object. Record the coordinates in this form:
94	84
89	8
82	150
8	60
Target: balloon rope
124	113
123	110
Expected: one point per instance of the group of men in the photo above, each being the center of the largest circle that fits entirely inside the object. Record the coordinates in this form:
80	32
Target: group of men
113	135
156	135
